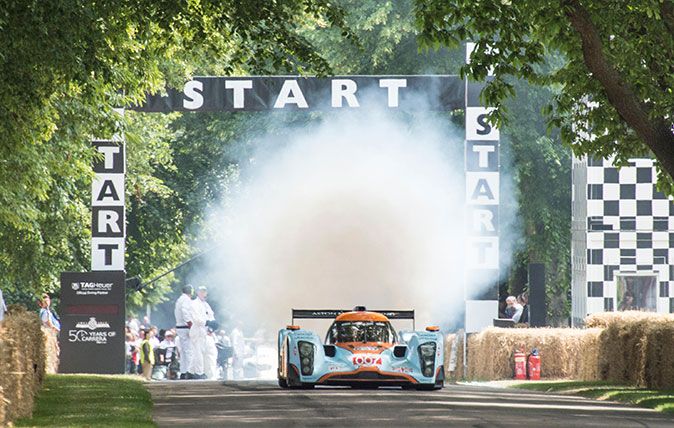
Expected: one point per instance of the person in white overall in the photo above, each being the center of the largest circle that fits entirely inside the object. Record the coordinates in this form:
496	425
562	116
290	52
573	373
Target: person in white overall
203	363
183	314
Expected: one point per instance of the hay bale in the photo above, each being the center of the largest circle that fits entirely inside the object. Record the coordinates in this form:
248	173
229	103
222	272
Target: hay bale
565	353
51	347
656	368
22	363
604	319
589	356
3	404
623	342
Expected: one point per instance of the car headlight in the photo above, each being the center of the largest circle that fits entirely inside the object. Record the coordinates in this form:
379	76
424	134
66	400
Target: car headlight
427	349
306	357
306	349
427	358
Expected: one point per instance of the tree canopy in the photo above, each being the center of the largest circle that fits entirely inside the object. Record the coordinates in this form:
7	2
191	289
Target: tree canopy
65	65
616	78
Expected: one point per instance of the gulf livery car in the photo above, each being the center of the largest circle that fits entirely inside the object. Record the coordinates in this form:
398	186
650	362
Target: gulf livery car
361	348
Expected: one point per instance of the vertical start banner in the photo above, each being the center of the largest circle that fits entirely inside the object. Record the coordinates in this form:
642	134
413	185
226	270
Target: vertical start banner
482	210
108	230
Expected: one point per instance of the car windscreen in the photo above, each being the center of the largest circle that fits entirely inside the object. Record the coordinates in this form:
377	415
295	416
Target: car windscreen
361	331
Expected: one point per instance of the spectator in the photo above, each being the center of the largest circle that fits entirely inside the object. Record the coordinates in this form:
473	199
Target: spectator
138	339
513	309
147	355
502	307
133	325
154	339
627	303
3	307
48	316
169	340
523	299
131	353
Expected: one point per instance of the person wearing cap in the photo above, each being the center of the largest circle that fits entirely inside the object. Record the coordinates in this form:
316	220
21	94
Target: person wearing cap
183	314
204	352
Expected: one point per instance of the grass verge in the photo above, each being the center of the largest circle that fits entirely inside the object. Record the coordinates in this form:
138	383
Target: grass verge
642	397
91	400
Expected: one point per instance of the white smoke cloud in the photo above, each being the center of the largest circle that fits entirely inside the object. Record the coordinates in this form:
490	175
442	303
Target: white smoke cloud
363	209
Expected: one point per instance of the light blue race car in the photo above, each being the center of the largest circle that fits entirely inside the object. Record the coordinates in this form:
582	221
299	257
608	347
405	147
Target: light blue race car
361	349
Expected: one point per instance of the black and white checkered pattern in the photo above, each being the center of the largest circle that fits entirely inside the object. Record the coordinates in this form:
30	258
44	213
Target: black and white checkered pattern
628	227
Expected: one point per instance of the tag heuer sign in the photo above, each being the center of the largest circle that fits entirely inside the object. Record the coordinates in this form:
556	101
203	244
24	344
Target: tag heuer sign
91	288
92	322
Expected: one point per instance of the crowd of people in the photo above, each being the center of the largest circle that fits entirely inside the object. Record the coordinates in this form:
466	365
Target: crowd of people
195	348
149	351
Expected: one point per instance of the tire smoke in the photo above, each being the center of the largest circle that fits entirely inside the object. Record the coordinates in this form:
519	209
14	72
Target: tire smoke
361	210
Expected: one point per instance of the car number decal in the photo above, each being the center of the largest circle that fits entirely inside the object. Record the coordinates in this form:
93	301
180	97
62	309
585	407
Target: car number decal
366	360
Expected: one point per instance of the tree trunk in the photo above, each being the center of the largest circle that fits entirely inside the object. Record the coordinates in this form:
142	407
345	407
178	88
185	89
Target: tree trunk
655	133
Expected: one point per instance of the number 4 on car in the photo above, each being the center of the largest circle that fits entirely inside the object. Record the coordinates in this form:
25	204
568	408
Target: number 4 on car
361	349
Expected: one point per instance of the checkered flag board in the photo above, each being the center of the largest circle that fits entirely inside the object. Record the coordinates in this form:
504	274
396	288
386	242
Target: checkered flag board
622	225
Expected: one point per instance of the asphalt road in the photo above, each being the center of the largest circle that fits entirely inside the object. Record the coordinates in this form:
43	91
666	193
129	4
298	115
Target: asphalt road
258	403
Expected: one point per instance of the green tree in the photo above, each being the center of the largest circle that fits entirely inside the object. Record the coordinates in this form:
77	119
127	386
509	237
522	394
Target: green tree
387	42
617	78
541	170
66	64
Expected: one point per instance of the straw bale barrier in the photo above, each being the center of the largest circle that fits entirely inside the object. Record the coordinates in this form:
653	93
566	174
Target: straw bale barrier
22	364
633	348
565	353
637	348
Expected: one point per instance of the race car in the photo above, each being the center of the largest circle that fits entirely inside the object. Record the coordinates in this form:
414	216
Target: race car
361	349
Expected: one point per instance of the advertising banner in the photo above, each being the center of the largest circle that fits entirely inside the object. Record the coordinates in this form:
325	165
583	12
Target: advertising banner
92	322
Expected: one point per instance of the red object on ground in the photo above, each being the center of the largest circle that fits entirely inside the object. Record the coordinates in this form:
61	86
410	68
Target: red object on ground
520	365
534	367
